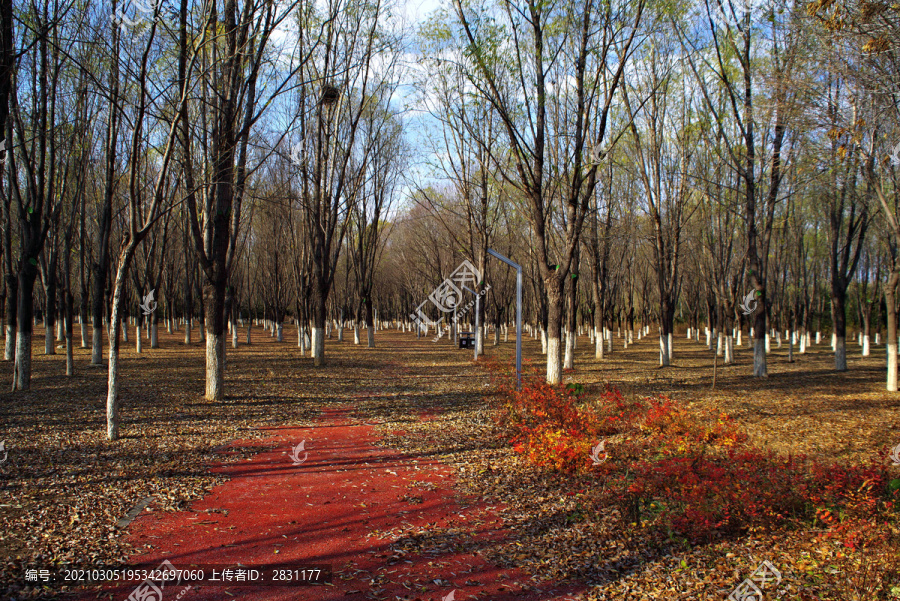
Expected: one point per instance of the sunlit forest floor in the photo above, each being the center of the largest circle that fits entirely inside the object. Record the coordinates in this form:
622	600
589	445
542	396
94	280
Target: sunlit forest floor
64	487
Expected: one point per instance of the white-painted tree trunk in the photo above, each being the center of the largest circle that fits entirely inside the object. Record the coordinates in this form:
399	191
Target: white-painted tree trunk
543	341
224	354
708	339
877	338
720	343
187	333
49	342
892	367
70	356
759	358
729	350
9	352
137	339
318	346
234	335
663	350
215	367
865	349
569	360
778	339
818	337
112	385
124	331
840	353
356	332
802	344
280	329
23	361
739	338
554	374
768	344
371	336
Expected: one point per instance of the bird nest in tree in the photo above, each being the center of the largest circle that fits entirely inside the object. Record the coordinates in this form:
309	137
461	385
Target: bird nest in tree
330	94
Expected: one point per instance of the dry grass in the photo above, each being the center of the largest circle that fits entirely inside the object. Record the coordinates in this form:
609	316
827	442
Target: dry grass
64	486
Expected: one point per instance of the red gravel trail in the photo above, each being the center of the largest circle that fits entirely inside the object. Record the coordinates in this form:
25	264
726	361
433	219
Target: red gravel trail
343	506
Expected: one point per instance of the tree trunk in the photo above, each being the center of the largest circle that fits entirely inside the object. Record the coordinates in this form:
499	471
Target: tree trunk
69	314
554	323
50	308
838	300
12	306
318	330
214	321
26	278
154	330
370	326
115	327
890	298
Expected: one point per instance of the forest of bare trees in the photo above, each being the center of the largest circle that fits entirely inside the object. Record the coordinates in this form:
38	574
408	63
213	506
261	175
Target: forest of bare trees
721	170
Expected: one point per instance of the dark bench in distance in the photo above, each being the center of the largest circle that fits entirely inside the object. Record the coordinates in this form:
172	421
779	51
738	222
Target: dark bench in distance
466	340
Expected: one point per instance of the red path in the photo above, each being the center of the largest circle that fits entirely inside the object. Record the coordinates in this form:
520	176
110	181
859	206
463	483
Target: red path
330	510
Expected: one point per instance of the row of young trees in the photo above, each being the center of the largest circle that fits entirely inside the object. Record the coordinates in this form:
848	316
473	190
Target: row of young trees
206	150
682	153
646	161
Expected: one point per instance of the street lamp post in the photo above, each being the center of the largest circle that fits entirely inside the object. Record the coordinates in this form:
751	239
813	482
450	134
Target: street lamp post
518	268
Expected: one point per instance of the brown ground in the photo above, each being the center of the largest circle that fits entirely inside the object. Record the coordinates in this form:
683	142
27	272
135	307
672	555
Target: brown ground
64	486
